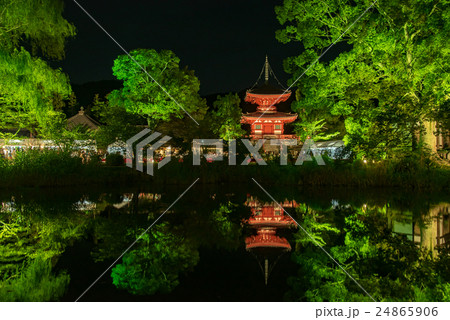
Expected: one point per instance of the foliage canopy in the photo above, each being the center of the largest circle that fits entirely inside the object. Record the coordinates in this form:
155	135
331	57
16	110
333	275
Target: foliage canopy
142	93
29	87
391	73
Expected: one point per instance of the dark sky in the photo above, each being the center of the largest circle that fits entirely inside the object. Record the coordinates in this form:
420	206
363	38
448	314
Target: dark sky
224	41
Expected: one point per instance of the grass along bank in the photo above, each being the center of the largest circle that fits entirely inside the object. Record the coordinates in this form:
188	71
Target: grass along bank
55	168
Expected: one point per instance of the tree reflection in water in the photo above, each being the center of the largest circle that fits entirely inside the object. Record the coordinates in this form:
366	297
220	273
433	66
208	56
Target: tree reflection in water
387	264
395	247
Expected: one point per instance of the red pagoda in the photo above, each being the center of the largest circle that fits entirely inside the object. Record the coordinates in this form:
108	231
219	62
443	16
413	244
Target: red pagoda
266	122
266	238
266	245
269	214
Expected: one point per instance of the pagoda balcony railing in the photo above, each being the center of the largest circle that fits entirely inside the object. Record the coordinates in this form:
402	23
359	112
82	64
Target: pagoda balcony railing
271	222
272	136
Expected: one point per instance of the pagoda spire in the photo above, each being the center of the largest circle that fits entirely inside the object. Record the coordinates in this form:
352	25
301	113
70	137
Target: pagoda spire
266	271
266	74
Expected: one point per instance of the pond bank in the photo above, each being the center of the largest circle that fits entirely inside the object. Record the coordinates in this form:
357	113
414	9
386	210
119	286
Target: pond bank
333	174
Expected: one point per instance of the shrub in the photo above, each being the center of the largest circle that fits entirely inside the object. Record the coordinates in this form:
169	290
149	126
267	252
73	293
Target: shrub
115	160
35	283
51	162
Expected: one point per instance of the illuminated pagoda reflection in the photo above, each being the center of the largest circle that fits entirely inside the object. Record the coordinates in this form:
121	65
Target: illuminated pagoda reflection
266	245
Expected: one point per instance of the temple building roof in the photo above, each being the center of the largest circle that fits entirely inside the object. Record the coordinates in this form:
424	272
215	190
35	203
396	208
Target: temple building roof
272	115
266	238
282	106
82	119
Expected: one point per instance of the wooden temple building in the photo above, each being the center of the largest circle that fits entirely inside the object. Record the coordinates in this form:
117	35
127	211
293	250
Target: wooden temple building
437	138
266	121
81	119
25	139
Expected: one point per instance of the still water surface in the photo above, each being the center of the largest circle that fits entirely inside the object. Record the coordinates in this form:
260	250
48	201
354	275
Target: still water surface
217	243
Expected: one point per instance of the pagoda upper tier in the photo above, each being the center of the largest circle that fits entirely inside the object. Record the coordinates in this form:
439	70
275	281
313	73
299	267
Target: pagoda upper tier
266	121
266	97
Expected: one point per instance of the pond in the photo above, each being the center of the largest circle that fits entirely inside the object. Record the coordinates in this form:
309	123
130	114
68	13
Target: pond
223	243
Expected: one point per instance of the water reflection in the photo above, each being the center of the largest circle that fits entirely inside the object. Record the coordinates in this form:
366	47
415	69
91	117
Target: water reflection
430	230
267	218
442	226
435	233
394	245
118	201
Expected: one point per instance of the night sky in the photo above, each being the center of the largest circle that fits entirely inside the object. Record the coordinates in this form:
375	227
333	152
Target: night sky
224	41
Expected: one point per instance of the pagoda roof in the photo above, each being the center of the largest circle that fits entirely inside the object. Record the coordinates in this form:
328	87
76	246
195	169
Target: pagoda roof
268	89
270	115
282	106
266	241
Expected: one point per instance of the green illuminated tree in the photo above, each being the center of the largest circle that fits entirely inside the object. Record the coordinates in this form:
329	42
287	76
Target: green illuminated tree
217	226
143	95
226	118
117	123
32	237
392	72
314	130
155	265
170	250
317	227
388	266
28	85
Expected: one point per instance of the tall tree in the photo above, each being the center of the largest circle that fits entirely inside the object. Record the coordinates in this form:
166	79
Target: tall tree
28	85
313	129
392	76
226	118
142	93
117	123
